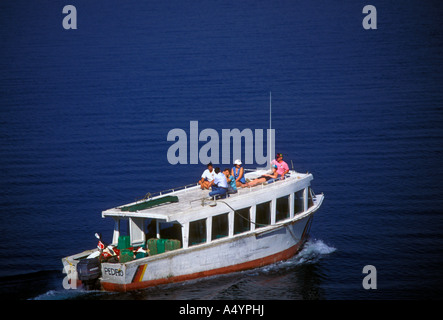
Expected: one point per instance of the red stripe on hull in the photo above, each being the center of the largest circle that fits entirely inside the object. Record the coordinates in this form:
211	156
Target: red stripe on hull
283	255
138	275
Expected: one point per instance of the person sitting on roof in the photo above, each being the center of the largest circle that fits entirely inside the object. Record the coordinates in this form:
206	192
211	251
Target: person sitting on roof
207	177
238	173
264	178
219	184
232	187
282	167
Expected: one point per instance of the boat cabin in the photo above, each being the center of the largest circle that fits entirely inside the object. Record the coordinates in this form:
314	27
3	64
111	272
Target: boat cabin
187	214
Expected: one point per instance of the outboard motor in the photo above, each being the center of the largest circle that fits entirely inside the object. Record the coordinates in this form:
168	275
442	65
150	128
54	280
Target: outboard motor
89	270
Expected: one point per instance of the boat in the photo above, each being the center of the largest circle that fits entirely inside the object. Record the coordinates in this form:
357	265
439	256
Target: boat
182	234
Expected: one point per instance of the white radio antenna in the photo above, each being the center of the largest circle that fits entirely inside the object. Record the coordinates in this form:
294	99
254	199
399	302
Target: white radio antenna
270	127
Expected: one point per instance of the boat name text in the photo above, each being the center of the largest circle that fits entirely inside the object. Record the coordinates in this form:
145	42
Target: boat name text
113	272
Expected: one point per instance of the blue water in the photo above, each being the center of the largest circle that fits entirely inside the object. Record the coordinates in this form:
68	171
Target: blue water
84	118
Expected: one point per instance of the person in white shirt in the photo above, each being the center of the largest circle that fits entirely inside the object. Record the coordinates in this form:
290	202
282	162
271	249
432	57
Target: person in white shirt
219	184
207	177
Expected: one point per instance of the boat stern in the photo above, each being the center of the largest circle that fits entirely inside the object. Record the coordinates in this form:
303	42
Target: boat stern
71	280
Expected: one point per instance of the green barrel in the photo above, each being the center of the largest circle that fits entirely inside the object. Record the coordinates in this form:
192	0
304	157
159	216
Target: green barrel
124	242
126	255
172	244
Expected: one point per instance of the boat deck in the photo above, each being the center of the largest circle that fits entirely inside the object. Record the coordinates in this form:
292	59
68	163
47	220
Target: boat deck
193	197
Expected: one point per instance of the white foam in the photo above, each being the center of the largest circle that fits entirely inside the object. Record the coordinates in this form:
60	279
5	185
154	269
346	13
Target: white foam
62	294
312	251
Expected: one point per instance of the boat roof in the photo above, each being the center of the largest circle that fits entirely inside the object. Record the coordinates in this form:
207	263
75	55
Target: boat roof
182	203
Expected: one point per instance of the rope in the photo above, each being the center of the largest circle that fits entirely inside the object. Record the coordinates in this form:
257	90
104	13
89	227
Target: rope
250	221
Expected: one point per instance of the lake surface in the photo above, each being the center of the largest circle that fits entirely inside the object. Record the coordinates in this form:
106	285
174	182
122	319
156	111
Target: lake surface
85	114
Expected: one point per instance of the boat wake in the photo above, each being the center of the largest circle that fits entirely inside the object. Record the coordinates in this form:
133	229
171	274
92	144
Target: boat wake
61	294
312	252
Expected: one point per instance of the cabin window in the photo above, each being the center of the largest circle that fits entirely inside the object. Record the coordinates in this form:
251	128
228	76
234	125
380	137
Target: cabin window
298	202
310	200
242	220
282	210
220	226
124	227
263	214
121	228
150	228
197	232
170	230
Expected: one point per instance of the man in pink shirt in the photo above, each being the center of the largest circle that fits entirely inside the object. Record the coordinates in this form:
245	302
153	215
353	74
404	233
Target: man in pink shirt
282	167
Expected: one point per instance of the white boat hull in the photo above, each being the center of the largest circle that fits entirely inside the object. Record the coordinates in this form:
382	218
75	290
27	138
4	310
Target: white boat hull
262	247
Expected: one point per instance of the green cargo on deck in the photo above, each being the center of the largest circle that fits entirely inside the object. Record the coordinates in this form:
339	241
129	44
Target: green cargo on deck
140	255
172	244
157	246
124	242
126	255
